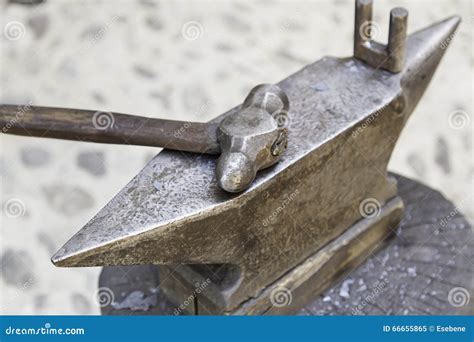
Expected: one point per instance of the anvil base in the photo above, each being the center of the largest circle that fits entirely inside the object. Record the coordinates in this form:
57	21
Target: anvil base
324	268
299	286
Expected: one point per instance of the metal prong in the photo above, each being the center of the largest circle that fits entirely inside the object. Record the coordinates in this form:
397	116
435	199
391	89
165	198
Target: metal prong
397	37
389	57
363	18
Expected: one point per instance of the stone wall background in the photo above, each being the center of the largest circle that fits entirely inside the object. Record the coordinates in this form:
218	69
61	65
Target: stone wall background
138	58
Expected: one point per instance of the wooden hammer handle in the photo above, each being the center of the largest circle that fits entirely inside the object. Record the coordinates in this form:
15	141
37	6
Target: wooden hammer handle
108	127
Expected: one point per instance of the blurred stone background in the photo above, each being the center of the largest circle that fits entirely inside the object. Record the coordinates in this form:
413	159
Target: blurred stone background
187	61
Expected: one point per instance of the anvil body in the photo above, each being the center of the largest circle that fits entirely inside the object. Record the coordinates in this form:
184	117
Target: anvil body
301	217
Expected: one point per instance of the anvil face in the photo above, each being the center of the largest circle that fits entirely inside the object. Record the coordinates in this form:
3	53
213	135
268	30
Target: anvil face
345	118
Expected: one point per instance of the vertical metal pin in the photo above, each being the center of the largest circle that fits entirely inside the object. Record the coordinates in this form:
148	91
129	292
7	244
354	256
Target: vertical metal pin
363	19
397	37
389	57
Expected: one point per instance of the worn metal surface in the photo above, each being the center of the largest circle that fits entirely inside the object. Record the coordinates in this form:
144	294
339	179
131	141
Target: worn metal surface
295	288
340	141
412	275
251	139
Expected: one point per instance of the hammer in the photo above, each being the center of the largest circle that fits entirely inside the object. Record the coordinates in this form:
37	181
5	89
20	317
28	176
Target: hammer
248	140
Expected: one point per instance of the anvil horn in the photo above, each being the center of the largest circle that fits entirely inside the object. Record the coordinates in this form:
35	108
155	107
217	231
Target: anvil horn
173	212
425	50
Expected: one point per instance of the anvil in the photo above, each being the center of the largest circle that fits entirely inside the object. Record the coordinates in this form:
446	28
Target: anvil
304	221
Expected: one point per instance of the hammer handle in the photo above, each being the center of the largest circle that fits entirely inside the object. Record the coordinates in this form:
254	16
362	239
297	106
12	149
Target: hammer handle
108	127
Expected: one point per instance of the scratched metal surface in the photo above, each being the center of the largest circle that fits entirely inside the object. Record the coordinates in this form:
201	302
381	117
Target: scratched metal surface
175	185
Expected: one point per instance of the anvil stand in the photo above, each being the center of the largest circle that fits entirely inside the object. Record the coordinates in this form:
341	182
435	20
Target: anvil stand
412	271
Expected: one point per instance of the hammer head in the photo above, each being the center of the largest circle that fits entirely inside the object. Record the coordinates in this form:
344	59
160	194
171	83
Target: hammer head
252	139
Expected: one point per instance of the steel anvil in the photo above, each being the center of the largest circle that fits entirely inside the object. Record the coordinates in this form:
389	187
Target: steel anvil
304	221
